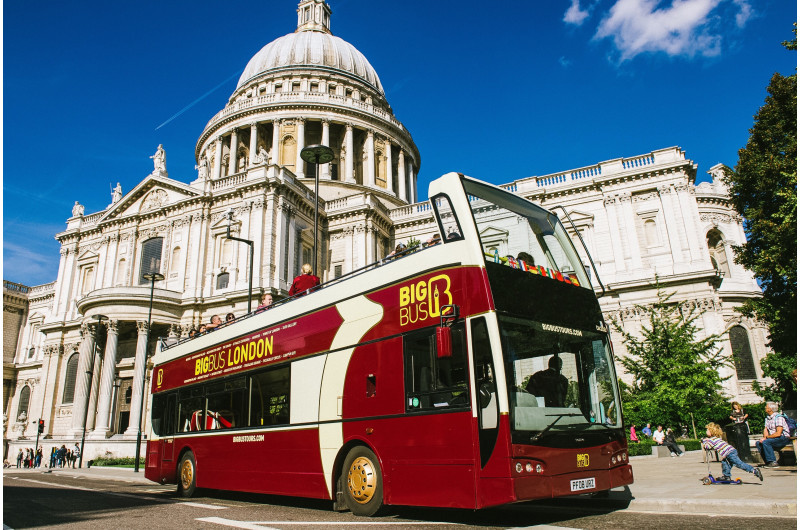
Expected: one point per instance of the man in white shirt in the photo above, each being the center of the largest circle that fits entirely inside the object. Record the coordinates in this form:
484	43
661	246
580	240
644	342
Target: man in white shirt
776	435
658	436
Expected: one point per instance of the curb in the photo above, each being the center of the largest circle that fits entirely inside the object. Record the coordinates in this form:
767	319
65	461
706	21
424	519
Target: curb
715	507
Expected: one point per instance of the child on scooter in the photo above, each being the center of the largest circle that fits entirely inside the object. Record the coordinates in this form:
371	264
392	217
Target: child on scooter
727	454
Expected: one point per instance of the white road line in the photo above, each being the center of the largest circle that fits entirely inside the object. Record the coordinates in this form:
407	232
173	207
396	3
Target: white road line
129	495
201	505
275	525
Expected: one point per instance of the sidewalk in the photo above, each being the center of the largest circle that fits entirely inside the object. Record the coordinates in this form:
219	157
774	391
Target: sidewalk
660	485
673	485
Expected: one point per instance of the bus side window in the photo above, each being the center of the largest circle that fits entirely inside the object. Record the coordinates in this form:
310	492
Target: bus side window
227	404
191	409
486	387
434	382
269	397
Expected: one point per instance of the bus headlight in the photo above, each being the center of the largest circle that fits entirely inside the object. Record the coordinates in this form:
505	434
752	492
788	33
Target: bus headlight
529	467
518	467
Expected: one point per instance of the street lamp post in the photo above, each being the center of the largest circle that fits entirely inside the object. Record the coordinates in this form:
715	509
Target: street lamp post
153	277
316	154
99	318
249	244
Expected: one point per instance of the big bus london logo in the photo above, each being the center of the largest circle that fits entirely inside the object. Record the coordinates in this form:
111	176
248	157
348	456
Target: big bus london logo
422	300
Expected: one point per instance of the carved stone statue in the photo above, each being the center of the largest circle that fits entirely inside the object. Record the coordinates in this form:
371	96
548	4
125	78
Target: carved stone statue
77	210
160	160
202	168
262	157
116	195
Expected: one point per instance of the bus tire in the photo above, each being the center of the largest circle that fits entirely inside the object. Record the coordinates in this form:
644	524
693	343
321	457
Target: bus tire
187	475
363	482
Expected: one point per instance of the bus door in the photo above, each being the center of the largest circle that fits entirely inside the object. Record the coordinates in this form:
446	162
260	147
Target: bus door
493	486
168	439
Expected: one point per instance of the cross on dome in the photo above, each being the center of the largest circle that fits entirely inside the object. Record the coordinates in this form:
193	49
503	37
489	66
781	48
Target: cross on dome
313	15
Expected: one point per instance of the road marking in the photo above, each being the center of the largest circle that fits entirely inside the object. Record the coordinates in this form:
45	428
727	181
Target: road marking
275	525
129	495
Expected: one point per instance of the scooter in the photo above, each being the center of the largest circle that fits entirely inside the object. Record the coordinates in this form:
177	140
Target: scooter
710	479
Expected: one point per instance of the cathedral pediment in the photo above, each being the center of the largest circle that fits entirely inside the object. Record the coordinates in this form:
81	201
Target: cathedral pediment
152	194
579	218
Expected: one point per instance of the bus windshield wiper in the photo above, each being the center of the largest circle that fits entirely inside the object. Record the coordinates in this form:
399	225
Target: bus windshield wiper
537	436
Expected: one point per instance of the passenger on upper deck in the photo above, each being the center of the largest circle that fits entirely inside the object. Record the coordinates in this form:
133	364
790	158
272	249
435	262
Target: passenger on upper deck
215	321
434	240
266	301
230	317
304	282
398	250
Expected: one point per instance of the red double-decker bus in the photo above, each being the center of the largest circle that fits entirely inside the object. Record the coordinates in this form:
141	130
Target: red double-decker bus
473	372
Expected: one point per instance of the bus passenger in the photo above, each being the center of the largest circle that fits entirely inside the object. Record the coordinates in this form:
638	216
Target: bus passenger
266	301
230	317
527	258
434	240
304	282
192	333
215	321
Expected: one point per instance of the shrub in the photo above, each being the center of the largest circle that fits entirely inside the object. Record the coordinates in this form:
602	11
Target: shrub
645	447
116	461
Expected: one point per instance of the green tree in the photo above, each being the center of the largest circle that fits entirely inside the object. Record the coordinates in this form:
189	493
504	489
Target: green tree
675	374
763	189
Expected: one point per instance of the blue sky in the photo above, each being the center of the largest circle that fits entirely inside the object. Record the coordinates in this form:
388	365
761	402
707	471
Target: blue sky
496	91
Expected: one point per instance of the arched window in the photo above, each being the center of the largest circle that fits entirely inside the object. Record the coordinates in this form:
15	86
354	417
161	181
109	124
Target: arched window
288	152
151	258
69	379
88	280
175	261
742	355
651	233
222	280
122	272
716	250
24	400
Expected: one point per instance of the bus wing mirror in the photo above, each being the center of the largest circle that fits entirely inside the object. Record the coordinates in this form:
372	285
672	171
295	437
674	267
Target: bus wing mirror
444	342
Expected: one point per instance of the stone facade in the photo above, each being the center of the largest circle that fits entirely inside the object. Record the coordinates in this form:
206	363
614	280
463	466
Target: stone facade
638	216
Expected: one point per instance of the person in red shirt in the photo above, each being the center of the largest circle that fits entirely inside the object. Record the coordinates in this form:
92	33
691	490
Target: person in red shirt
304	282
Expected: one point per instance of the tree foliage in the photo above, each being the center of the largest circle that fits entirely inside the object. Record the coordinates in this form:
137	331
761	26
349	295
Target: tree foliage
763	189
675	373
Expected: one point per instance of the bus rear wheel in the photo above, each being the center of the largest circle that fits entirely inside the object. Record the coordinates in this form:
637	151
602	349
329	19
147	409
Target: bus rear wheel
363	482
187	475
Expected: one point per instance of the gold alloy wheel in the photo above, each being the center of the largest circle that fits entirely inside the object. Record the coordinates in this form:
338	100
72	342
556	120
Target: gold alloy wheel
361	480
187	474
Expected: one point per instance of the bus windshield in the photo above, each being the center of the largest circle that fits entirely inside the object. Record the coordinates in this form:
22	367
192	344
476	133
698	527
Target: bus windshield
559	378
517	233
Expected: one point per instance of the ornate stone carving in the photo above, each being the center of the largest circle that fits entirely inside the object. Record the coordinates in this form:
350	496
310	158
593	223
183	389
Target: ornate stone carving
141	326
154	200
719	218
77	210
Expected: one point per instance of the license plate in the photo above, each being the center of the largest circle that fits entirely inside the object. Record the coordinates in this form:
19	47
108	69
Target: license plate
582	484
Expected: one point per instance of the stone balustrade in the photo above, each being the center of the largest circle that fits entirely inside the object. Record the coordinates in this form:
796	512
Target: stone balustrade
291	97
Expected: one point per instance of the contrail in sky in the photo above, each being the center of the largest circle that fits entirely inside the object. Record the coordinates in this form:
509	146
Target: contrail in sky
198	100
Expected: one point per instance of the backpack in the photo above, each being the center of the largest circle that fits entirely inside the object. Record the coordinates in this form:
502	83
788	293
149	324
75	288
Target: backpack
792	423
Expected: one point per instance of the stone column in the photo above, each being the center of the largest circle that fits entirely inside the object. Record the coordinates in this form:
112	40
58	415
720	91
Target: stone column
82	380
401	176
369	147
276	140
95	366
253	143
102	429
412	181
667	208
301	143
138	375
690	217
325	169
218	158
631	231
348	145
616	237
389	176
232	154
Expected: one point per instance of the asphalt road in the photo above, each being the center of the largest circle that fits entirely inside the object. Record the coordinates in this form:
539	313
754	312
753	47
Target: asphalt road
40	500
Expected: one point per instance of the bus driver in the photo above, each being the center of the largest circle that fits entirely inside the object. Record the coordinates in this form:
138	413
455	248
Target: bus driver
550	384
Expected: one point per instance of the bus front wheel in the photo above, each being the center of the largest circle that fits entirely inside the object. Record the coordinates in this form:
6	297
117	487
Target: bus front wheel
363	482
187	475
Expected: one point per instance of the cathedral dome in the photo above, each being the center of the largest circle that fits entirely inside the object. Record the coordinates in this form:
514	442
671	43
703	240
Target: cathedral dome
311	49
311	46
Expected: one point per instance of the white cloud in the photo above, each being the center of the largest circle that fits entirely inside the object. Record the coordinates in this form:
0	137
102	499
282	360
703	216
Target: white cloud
683	27
574	14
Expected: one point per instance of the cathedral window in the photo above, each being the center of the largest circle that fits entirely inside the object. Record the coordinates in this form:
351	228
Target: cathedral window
175	262
222	280
651	233
122	272
151	258
742	354
87	280
69	379
24	400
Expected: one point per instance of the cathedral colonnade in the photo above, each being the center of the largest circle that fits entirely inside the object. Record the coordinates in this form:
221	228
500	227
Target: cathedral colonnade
362	155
